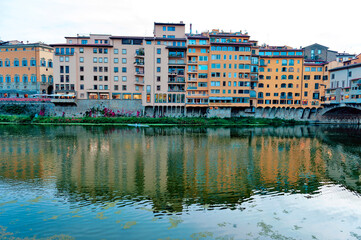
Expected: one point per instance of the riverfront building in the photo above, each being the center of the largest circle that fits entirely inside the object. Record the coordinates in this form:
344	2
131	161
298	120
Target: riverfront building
280	77
345	85
25	69
124	67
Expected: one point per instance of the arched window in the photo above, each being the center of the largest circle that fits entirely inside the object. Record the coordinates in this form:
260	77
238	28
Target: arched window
25	78
24	62
43	62
283	85
50	63
283	95
8	78
16	78
43	78
290	77
261	62
290	85
284	62
33	78
291	69
289	94
284	69
16	62
291	62
7	62
50	79
1	78
283	77
260	85
33	62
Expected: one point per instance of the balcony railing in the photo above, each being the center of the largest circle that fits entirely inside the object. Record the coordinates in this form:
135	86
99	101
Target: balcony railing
192	70
192	79
139	73
177	80
176	55
176	62
191	88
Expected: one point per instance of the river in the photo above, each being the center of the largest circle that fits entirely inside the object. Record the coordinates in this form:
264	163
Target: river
90	182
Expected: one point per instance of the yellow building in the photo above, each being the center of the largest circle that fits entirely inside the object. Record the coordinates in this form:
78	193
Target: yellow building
25	69
280	77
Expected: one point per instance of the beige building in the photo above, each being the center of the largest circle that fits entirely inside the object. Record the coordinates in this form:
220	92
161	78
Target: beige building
124	67
25	69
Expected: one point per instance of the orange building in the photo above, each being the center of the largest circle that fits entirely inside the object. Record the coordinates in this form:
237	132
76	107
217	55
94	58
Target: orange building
280	77
222	70
25	69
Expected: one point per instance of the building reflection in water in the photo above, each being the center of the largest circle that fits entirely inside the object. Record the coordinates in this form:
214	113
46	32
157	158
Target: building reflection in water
174	167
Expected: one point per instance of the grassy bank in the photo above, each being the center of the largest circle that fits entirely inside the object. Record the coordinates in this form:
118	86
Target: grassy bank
148	121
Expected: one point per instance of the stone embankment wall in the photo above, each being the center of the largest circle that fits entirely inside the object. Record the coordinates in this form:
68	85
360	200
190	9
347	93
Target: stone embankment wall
124	107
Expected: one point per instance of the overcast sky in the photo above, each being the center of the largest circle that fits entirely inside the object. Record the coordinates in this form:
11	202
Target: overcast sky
275	22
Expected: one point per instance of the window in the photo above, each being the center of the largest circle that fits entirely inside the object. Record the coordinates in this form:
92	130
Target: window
116	78
116	87
158	87
124	51
124	69
116	50
116	60
66	69
24	62
84	41
124	78
124	60
66	60
32	62
159	50
124	87
81	69
81	59
105	59
95	60
158	69
171	28
158	60
81	50
116	69
158	78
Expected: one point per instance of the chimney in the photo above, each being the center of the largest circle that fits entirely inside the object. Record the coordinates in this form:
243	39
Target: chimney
181	22
190	30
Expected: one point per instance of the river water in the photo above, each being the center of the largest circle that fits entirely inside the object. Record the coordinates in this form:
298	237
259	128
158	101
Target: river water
76	182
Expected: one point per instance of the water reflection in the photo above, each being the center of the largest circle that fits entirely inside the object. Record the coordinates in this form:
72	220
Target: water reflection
177	167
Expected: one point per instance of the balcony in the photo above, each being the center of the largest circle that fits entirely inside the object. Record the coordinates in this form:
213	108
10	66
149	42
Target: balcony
192	70
139	53
139	73
141	83
176	62
177	80
192	79
197	95
192	62
191	88
176	55
140	64
263	64
176	89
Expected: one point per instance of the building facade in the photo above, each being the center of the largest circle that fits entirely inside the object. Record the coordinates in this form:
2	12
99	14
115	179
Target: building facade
280	77
25	69
344	85
319	52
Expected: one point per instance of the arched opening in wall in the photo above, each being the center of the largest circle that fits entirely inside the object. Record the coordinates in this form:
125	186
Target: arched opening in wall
50	89
343	113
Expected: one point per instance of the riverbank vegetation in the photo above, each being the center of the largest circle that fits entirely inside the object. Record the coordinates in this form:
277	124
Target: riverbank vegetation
148	120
